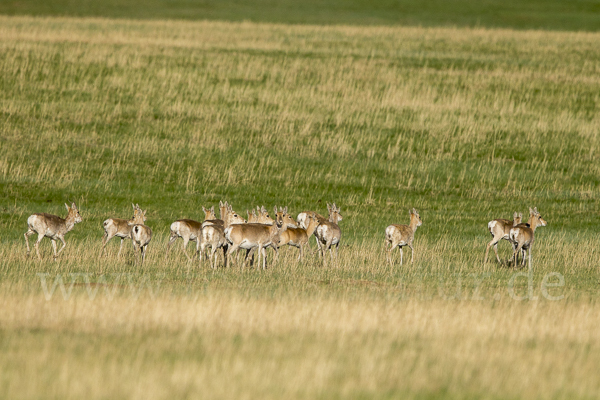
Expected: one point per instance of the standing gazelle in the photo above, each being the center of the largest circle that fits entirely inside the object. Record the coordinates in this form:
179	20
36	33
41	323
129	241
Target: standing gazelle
53	227
250	237
500	229
294	235
121	227
402	235
140	236
328	233
523	236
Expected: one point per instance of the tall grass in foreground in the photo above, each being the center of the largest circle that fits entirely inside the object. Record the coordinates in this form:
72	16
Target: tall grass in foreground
464	125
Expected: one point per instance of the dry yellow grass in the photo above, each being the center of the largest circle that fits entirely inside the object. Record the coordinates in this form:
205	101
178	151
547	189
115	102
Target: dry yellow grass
221	346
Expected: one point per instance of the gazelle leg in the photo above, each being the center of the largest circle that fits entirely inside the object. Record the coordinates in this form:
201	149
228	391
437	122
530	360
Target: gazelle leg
319	246
144	248
401	255
516	253
198	244
54	247
213	258
64	244
37	245
493	242
225	255
120	247
230	251
27	234
135	250
104	241
264	254
172	240
412	254
391	253
386	246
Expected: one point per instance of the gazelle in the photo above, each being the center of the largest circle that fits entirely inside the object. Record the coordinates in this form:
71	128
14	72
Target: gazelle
140	236
263	217
213	235
302	220
121	227
328	233
500	229
187	229
250	237
523	236
209	213
402	235
252	218
51	226
294	235
211	218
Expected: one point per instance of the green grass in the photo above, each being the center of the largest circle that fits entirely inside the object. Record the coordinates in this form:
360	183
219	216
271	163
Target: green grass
466	125
574	15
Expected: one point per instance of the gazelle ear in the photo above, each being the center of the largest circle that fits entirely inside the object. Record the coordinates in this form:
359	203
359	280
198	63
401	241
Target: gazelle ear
530	211
410	212
535	210
520	215
275	210
133	205
73	206
285	210
220	203
212	209
66	205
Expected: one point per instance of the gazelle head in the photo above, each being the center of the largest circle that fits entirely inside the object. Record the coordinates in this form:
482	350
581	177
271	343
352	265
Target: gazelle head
223	209
231	217
73	213
536	218
334	213
209	213
415	218
264	217
139	216
284	218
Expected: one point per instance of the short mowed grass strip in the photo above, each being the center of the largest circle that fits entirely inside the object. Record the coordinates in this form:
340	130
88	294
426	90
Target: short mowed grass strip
466	125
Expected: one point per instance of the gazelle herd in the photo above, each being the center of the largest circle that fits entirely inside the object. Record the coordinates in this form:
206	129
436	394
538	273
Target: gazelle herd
260	231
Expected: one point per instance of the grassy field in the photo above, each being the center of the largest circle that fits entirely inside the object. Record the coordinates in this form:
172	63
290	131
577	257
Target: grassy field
466	125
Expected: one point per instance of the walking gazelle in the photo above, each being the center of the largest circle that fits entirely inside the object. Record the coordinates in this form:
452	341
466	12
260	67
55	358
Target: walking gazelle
500	229
523	235
53	227
402	235
121	227
328	233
